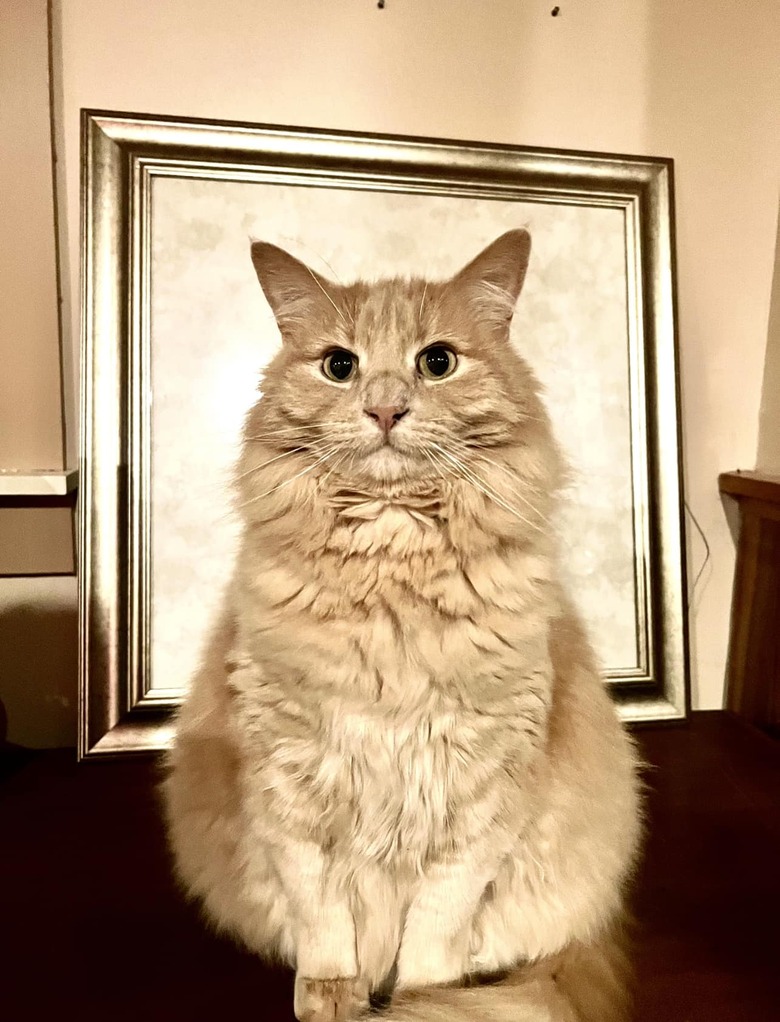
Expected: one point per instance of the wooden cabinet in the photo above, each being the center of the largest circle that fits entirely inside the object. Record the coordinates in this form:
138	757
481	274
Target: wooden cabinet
753	678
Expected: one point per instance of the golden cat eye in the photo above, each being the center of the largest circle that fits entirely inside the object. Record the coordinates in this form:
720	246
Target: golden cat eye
437	362
339	365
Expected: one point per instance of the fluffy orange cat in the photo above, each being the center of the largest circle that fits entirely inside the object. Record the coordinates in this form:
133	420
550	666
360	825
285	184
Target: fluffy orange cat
398	768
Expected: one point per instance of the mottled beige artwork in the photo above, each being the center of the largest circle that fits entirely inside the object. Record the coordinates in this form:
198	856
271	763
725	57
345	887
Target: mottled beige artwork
212	332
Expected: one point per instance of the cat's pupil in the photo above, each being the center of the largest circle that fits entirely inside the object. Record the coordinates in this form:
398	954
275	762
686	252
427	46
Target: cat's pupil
438	361
340	364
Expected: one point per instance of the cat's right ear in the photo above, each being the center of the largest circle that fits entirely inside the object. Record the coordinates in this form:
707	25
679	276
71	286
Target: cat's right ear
297	295
493	280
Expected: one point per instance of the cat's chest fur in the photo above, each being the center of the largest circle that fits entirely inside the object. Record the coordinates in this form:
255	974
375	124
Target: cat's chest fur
390	675
397	790
387	610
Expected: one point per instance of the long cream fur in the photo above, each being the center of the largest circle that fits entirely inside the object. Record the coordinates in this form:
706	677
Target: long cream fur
398	769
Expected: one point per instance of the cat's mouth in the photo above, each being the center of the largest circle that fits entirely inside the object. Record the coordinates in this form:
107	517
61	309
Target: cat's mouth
388	442
390	459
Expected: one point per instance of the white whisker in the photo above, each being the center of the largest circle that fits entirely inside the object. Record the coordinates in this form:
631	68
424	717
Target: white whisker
422	300
479	483
324	457
436	466
295	241
464	448
307	427
270	461
339	461
513	490
302	444
316	280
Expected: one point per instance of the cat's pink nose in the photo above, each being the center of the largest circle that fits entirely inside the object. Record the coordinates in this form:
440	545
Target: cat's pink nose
386	416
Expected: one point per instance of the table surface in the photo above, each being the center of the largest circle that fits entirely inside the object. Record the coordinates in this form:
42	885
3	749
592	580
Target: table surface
93	927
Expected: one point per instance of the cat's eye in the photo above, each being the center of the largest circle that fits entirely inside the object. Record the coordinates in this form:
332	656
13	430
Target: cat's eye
339	365
437	362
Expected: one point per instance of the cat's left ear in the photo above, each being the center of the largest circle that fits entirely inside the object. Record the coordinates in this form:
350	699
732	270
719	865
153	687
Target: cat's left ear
298	296
493	280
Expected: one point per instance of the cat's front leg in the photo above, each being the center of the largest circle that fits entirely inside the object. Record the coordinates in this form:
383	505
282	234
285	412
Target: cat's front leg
318	924
437	932
379	902
327	986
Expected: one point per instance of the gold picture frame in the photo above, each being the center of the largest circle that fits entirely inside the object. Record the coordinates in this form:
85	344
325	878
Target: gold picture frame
125	157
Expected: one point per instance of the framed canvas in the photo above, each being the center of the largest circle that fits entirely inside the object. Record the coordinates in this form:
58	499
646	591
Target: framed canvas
176	332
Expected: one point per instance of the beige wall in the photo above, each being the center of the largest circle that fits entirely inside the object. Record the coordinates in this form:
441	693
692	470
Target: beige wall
31	421
713	107
768	458
697	81
37	615
30	405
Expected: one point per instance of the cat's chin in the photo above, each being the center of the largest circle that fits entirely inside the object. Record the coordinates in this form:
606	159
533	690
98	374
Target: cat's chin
389	464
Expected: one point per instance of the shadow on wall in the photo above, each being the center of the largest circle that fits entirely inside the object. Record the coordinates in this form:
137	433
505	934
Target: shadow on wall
38	676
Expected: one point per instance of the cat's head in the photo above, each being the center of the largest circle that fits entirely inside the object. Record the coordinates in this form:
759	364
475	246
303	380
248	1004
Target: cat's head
398	379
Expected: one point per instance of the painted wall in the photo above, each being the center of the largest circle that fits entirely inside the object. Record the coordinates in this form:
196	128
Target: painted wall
696	81
768	457
31	420
37	615
30	405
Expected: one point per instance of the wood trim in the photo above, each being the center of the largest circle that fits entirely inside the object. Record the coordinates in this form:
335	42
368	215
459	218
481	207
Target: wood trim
757	485
753	677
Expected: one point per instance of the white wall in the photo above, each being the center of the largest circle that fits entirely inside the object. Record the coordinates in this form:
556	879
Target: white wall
30	407
697	81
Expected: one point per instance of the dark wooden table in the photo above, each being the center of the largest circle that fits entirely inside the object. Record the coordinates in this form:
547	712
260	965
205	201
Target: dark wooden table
92	927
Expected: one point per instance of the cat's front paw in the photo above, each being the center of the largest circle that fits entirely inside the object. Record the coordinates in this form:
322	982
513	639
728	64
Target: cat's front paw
431	964
329	1000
